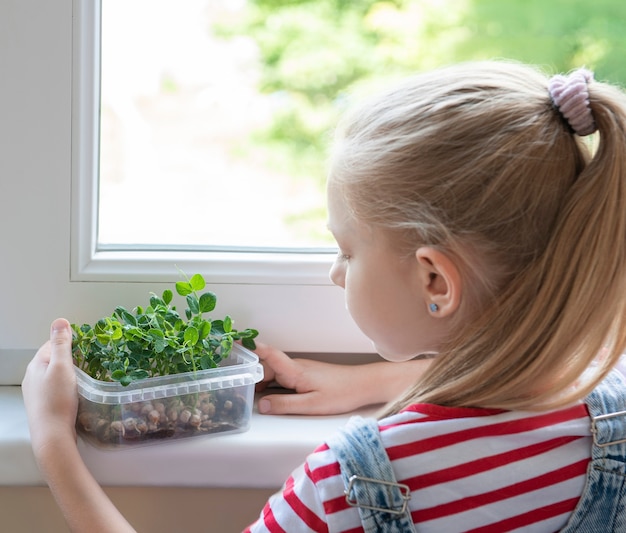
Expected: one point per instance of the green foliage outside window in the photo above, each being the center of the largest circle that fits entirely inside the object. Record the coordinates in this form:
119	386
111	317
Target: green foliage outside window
316	54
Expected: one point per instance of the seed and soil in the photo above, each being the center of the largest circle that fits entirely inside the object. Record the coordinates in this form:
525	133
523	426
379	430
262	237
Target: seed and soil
172	418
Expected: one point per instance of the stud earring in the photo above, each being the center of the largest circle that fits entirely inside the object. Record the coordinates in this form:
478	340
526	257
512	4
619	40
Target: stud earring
433	308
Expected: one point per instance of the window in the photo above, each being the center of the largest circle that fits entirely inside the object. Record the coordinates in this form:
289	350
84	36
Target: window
288	289
280	292
156	174
180	107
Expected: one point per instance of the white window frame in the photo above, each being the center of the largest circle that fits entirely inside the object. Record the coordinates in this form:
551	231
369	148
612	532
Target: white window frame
287	296
302	267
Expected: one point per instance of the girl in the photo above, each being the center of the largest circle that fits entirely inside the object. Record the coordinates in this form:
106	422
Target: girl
479	225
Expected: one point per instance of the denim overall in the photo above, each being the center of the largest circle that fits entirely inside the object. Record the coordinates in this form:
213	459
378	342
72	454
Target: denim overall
371	485
602	507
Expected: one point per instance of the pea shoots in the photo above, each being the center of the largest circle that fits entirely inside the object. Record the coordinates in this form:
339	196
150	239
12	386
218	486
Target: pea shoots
155	340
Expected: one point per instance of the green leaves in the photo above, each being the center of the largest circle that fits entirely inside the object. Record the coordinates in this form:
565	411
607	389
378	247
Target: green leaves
191	336
207	302
155	340
196	283
158	339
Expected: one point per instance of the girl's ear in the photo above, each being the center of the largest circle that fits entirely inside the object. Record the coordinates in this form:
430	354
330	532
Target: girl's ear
440	280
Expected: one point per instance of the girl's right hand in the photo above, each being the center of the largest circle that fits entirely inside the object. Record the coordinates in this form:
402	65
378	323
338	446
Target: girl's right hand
51	400
49	390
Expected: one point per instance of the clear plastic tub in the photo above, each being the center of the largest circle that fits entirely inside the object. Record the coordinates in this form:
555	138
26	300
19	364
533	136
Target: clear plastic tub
162	409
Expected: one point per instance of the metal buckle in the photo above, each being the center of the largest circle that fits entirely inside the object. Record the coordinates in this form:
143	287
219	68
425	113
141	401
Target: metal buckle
405	494
594	429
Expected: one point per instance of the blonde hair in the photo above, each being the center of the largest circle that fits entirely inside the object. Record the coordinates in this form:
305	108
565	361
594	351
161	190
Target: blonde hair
475	160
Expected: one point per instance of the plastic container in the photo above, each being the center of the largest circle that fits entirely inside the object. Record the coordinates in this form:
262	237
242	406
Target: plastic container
166	408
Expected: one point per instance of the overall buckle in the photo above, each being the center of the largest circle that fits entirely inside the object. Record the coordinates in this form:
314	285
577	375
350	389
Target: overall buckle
405	494
594	428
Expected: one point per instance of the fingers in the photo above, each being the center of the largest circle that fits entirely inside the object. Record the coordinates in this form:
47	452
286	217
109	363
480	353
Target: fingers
272	357
278	366
56	349
290	404
60	342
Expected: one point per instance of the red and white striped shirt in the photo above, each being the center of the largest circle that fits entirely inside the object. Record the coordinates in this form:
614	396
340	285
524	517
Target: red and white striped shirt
475	470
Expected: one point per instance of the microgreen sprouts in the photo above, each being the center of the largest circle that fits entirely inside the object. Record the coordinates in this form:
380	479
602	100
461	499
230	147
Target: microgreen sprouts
156	340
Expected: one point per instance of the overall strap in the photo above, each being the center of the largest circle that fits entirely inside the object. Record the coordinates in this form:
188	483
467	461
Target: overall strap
602	506
370	484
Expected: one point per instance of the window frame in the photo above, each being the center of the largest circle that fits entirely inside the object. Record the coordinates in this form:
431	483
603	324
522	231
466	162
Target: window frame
91	263
287	296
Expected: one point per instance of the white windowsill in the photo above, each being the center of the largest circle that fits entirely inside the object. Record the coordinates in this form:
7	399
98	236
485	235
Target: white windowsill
262	457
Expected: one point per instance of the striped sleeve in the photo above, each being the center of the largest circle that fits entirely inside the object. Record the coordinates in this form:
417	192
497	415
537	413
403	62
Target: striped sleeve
296	507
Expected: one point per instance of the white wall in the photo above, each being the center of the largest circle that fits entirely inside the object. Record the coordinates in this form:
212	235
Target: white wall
35	140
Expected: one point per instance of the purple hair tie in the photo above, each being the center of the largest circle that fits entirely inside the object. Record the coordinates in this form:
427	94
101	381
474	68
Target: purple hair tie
571	97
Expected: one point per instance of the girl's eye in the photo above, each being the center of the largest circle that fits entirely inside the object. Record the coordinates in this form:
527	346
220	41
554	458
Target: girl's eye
343	257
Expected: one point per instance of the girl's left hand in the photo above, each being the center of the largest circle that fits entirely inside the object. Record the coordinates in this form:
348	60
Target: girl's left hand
49	390
320	388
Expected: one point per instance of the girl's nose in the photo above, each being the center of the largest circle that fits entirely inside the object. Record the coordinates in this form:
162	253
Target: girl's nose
337	274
